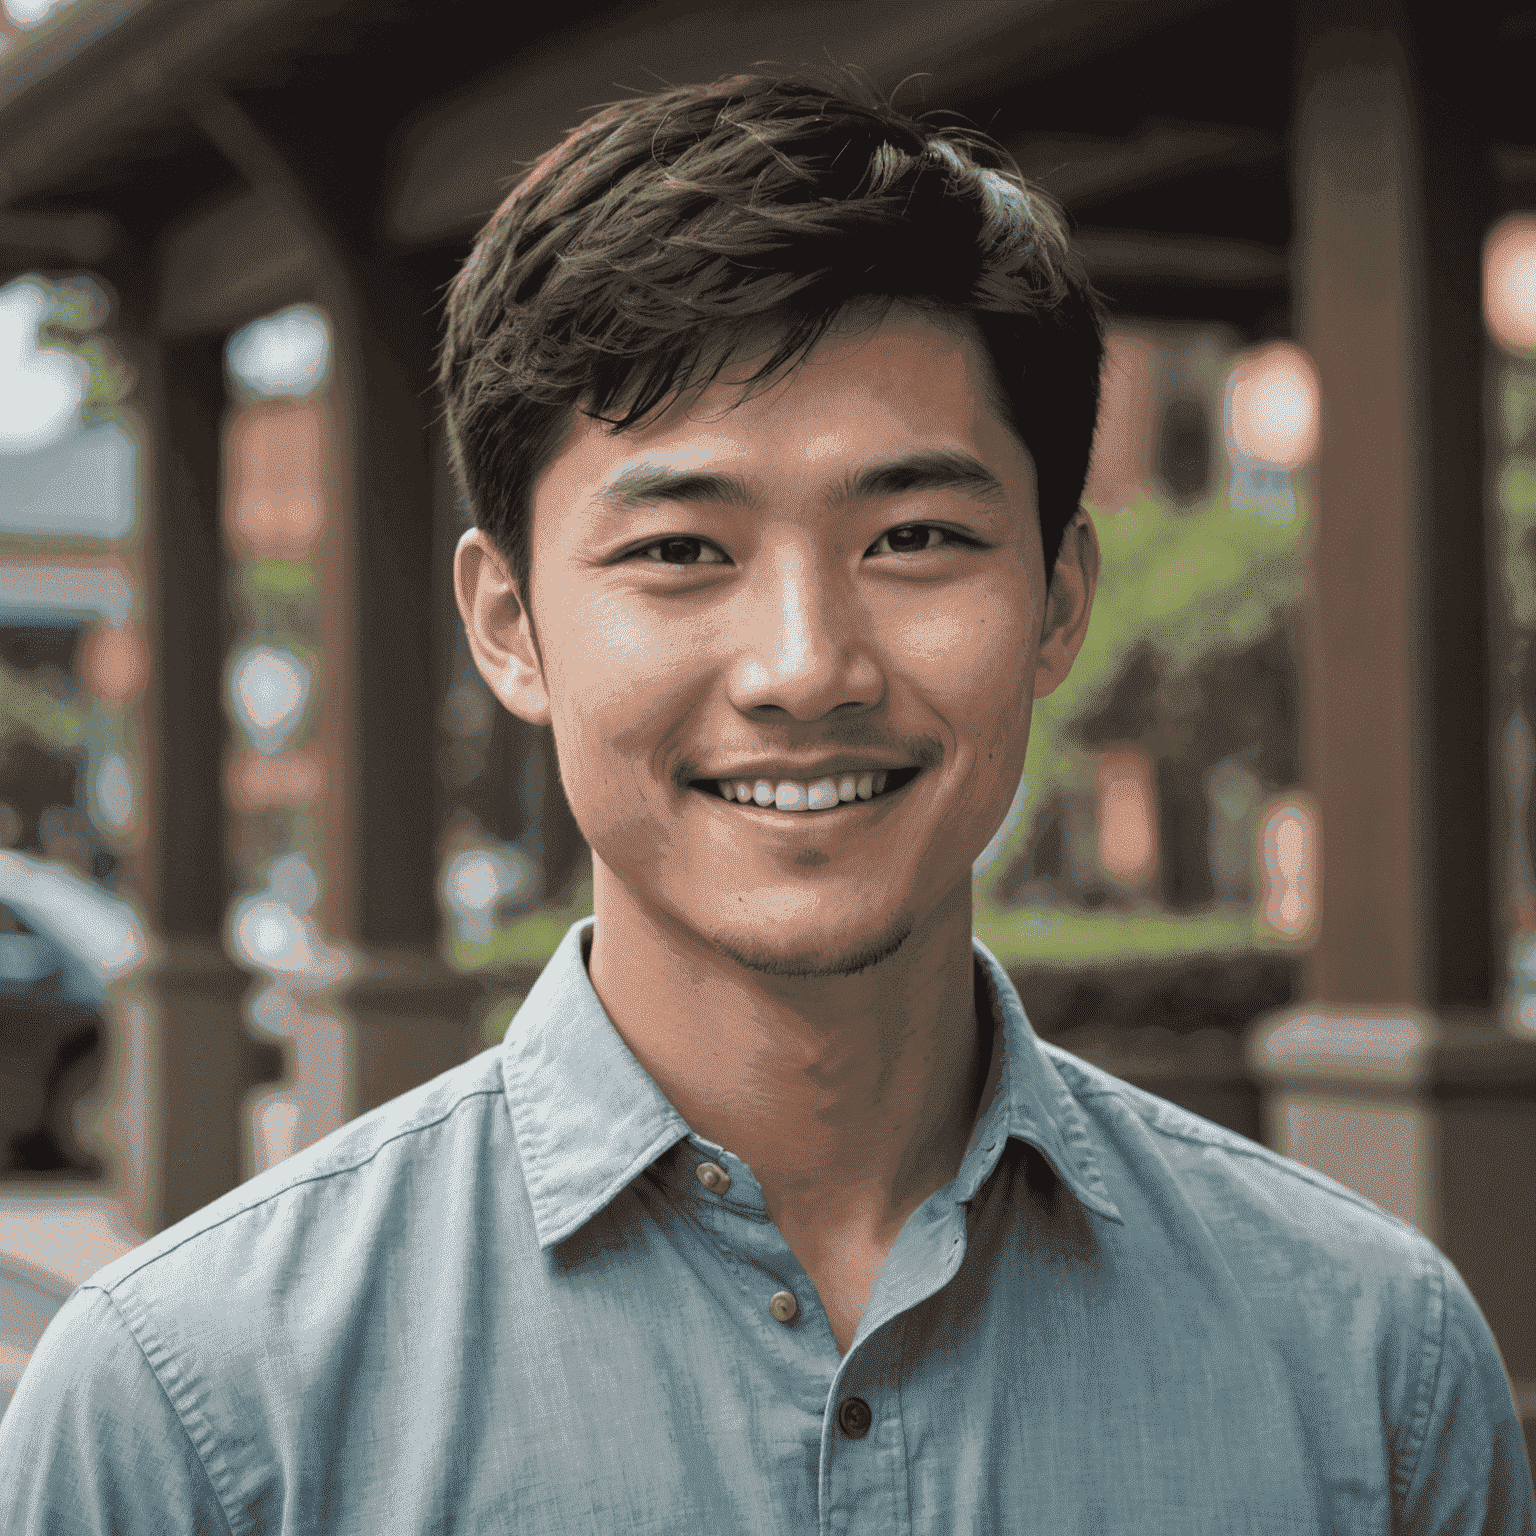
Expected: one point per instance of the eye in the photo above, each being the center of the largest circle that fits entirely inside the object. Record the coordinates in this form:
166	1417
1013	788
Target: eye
681	551
914	538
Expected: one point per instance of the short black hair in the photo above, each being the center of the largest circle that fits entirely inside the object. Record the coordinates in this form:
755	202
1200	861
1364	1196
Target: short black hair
629	260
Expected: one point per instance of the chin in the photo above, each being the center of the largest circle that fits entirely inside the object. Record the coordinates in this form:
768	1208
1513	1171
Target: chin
819	962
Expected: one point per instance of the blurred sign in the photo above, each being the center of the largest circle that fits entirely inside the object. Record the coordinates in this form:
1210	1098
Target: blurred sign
257	781
1127	816
115	663
274	460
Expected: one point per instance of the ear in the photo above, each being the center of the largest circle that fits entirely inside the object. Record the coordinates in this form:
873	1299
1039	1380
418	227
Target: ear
499	627
1068	603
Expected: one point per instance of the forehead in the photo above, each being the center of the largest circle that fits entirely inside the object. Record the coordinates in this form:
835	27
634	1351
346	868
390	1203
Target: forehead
871	388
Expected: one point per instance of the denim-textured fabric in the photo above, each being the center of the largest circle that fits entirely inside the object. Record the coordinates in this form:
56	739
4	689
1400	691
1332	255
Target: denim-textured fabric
505	1303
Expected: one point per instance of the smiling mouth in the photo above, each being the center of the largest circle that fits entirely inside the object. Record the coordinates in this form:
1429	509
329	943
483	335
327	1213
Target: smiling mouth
807	796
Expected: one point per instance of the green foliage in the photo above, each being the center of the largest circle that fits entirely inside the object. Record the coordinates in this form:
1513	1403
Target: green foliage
27	707
1053	936
529	941
1192	584
80	309
1517	401
1516	499
278	595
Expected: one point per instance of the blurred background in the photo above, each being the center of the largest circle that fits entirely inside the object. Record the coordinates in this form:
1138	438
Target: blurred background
270	854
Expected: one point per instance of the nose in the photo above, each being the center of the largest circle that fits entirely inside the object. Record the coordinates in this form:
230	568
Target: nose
803	645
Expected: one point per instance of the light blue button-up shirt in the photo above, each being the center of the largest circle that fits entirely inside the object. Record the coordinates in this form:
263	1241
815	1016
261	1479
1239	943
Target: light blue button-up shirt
506	1302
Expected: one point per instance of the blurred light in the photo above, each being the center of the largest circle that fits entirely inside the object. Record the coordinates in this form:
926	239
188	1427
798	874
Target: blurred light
269	689
40	387
268	934
478	880
275	1119
115	663
281	355
32	13
1274	405
1509	283
114	791
469	710
1127	815
1287	836
292	879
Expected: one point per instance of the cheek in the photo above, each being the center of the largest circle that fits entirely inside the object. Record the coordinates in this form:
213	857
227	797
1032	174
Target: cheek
974	655
619	682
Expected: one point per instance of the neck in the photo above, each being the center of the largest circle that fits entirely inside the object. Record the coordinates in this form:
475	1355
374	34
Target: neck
851	1098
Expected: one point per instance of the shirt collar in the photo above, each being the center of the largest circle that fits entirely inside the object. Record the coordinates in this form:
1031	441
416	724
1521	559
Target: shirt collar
589	1118
1031	1103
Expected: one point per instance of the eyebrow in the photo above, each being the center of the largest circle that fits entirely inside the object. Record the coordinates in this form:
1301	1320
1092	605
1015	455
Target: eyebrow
935	469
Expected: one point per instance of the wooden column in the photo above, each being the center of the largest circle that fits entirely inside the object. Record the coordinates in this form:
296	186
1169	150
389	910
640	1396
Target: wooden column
1358	264
193	1052
1392	196
1399	1078
410	1015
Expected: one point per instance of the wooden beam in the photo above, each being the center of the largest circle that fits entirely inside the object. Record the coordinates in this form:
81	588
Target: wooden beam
84	238
70	90
1515	164
1133	255
229	261
456	159
1081	168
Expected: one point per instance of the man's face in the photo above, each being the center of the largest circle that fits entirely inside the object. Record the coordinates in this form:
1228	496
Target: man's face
831	584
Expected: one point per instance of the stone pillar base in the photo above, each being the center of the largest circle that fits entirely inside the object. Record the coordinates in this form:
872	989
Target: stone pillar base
169	1107
411	1017
1433	1119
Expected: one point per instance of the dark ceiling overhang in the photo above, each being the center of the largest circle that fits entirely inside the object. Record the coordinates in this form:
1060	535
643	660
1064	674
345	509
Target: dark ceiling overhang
1161	124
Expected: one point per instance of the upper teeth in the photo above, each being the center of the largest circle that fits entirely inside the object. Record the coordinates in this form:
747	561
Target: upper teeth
793	795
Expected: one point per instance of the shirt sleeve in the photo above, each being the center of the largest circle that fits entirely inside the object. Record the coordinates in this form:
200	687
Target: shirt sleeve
90	1443
1463	1470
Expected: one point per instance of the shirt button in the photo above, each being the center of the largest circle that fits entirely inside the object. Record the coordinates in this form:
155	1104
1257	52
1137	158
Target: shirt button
854	1417
784	1306
713	1177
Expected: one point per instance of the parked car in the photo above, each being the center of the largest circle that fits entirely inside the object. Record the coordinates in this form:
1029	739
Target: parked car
63	940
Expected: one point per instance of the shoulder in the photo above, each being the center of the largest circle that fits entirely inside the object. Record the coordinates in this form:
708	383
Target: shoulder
227	1346
1368	1321
1381	1343
90	1442
1255	1194
310	1234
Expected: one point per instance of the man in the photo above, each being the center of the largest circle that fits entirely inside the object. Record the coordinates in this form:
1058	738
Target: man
771	1214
